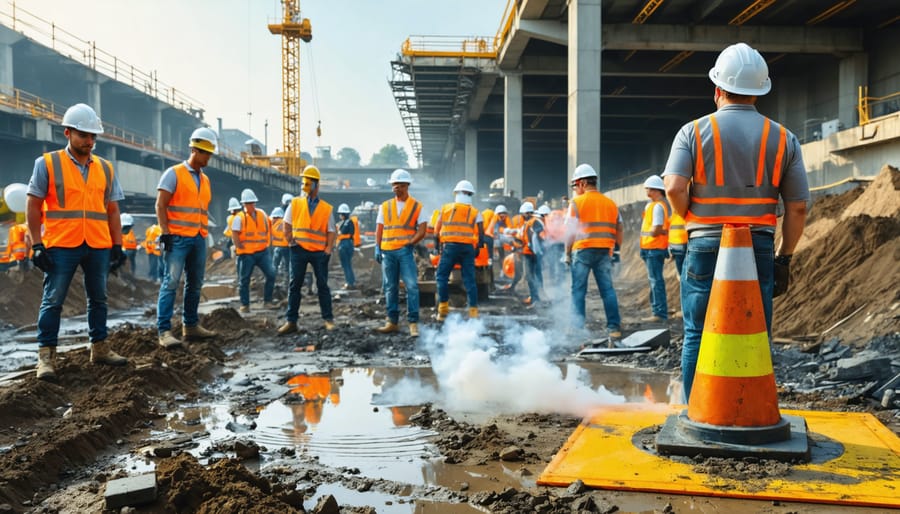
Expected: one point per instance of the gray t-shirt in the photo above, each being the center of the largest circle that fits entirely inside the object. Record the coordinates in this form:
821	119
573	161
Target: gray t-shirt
39	182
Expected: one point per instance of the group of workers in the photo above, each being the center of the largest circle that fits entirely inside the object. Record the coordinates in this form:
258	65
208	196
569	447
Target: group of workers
729	167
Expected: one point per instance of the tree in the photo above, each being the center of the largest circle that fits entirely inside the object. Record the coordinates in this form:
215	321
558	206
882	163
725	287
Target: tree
348	157
390	155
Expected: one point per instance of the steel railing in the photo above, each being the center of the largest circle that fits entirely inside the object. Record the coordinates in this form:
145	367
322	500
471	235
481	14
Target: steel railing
478	47
866	102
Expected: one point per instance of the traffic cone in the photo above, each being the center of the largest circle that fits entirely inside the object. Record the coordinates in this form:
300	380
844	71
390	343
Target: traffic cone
734	383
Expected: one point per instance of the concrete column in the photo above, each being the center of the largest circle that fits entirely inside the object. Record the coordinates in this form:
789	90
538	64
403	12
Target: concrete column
112	155
6	69
93	98
584	84
472	155
512	135
853	72
156	125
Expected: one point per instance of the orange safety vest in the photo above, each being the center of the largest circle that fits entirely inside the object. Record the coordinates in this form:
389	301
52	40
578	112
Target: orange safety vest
129	241
254	234
228	220
525	236
750	203
399	228
458	224
75	207
278	237
677	232
150	236
188	210
310	232
648	240
17	247
354	235
598	217
495	223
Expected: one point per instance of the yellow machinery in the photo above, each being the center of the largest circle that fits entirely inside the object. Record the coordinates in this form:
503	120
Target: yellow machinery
293	30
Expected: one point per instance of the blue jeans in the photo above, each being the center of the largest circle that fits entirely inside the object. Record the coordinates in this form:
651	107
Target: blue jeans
464	255
585	261
399	265
131	254
95	265
534	275
345	252
678	252
553	259
153	270
696	282
263	260
188	256
654	260
300	257
281	257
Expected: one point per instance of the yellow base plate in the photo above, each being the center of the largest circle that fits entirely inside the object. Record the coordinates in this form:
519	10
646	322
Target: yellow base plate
601	454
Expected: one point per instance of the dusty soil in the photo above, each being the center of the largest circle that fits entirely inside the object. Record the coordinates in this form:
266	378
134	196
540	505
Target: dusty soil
54	434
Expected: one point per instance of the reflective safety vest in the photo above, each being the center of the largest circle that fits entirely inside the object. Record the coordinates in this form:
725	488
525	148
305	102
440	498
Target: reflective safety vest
648	240
310	231
598	217
75	207
677	231
18	250
752	201
496	226
355	235
129	240
278	238
525	236
254	234
228	220
188	210
150	237
399	228
458	224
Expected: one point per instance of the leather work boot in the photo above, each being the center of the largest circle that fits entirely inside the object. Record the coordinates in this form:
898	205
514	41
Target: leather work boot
46	368
270	305
653	319
329	325
615	333
443	311
289	327
168	340
473	312
413	330
101	353
196	332
389	328
244	309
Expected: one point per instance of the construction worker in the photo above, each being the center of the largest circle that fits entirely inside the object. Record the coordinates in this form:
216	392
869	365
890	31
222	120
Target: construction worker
732	166
460	232
399	227
554	242
488	216
286	201
495	229
348	234
251	233
310	228
595	227
234	207
655	246
531	237
129	240
18	247
678	237
73	195
182	204
156	268
280	253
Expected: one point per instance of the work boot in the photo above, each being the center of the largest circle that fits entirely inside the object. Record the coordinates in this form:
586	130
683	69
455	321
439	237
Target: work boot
196	332
168	340
413	329
46	368
329	325
289	327
473	312
653	319
244	309
615	333
443	311
270	305
389	328
101	353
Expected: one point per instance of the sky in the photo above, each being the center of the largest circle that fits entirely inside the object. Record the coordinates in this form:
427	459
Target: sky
221	54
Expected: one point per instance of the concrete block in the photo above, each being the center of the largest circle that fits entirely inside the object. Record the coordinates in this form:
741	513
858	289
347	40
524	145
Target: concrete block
136	490
862	366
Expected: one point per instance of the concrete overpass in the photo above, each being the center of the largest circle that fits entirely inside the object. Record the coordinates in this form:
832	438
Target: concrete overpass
609	82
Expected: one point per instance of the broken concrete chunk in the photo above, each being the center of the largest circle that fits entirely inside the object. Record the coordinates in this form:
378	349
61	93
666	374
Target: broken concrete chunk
864	365
129	491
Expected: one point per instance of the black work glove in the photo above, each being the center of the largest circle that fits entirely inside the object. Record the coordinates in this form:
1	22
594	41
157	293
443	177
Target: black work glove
41	259
165	242
116	258
782	275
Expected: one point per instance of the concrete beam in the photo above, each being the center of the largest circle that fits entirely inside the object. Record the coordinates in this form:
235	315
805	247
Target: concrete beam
532	9
545	30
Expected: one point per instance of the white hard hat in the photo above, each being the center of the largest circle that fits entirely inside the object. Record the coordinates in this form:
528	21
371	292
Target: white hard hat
82	117
501	209
287	197
277	212
400	175
343	209
741	70
464	186
126	219
204	139
526	208
654	182
233	204
584	171
543	210
248	196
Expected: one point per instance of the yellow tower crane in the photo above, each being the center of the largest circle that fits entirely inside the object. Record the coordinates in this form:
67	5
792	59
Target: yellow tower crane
293	30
